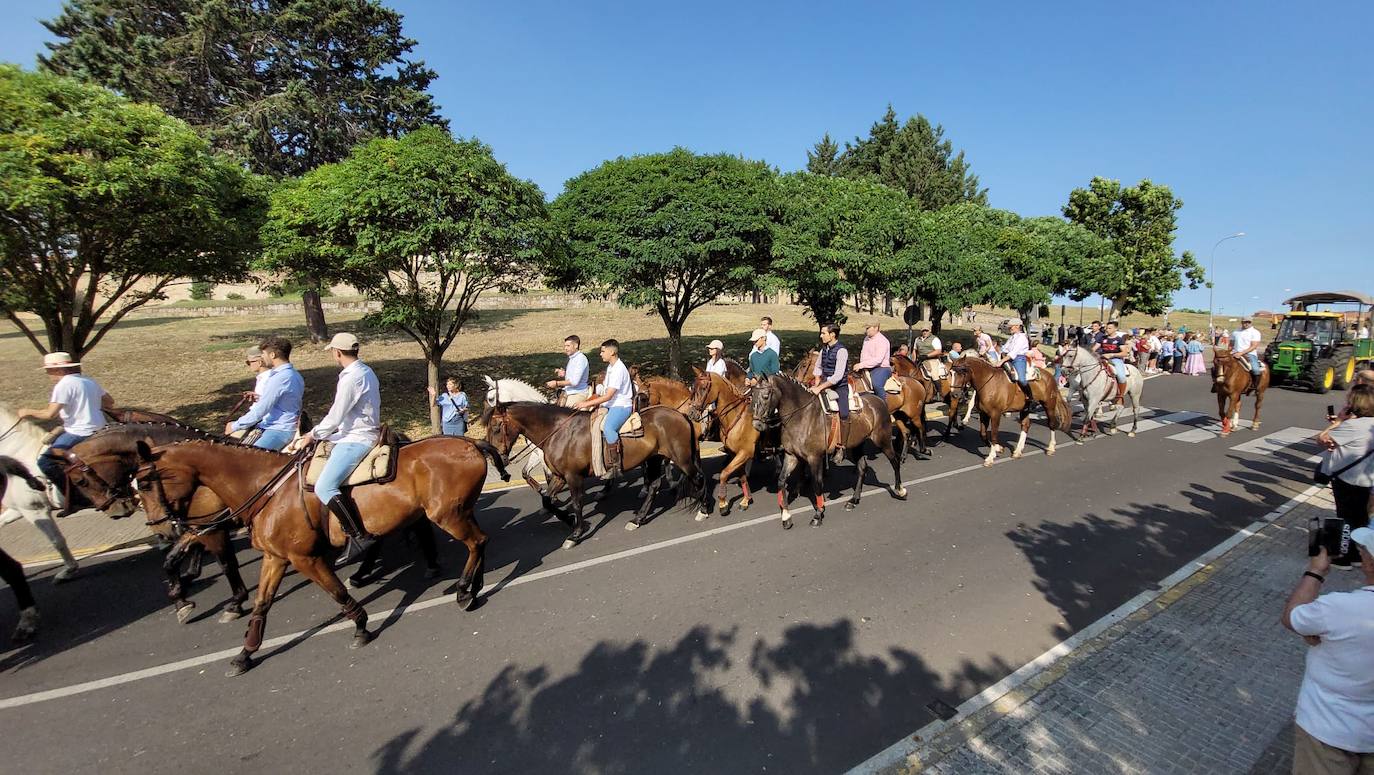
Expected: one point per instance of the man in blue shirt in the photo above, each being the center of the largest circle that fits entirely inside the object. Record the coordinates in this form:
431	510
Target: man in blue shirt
277	411
572	379
453	408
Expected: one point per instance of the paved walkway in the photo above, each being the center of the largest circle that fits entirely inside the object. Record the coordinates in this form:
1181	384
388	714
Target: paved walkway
1201	679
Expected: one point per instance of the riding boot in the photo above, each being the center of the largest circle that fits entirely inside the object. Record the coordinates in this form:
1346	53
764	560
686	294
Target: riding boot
359	540
837	454
615	453
1120	399
1026	390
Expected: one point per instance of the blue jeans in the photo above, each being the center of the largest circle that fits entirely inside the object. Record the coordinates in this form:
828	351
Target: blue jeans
342	460
273	440
1018	365
880	375
1254	363
1119	366
615	417
456	428
54	467
842	399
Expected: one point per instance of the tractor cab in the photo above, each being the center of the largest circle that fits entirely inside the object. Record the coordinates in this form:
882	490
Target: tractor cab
1318	345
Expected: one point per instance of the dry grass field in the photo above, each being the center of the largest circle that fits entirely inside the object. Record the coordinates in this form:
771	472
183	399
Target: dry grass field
192	367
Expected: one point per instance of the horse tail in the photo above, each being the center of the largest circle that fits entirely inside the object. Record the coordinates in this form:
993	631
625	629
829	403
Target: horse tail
490	451
11	467
1063	415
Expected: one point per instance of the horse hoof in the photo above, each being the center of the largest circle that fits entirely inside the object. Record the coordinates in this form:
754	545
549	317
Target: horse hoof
467	601
356	582
816	521
238	667
432	573
569	544
850	506
987	464
1130	434
701	515
67	573
360	639
744	504
787	524
229	615
1016	456
632	525
900	493
184	613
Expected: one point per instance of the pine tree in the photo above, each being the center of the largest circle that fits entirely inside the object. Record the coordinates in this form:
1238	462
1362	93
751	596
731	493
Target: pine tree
823	158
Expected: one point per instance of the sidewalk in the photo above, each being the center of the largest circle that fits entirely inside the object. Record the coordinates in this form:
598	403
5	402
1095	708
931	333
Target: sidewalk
1201	679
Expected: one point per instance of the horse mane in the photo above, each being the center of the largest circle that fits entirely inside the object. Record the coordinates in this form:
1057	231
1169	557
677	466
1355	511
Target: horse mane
224	441
508	383
111	429
25	437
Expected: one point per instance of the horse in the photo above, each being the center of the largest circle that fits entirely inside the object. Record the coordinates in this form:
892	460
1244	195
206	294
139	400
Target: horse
995	394
782	401
936	390
565	437
739	438
907	407
22	440
11	572
1096	385
1231	380
438	478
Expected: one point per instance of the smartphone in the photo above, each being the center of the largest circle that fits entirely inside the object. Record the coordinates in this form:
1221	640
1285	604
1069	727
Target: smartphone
1330	412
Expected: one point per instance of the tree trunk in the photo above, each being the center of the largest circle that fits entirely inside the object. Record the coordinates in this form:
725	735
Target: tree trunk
314	316
676	367
432	364
1118	304
757	297
937	313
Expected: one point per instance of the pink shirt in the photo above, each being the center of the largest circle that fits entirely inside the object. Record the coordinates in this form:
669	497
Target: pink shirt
876	353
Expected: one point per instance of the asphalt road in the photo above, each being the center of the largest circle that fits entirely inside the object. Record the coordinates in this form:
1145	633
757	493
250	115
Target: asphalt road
722	646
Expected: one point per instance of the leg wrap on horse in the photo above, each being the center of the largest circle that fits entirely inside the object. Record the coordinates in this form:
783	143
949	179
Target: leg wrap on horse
354	612
252	637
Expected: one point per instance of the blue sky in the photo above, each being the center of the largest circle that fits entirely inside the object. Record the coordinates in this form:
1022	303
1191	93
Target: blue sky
1258	115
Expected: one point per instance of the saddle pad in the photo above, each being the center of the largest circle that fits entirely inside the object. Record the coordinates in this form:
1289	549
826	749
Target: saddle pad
633	428
377	466
830	401
934	368
1032	372
247	436
894	385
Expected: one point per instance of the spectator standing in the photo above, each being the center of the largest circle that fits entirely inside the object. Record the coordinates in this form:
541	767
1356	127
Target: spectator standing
1196	364
453	408
1166	353
1349	461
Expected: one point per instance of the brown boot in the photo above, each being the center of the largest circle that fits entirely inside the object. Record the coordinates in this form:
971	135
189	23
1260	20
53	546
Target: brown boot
838	450
1120	399
614	462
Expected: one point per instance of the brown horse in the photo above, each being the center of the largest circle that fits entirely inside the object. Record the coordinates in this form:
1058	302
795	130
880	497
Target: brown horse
1231	380
936	390
738	436
565	437
996	394
907	407
782	401
438	478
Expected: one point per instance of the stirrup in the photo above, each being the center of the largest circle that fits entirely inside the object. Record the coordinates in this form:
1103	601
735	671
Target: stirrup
354	550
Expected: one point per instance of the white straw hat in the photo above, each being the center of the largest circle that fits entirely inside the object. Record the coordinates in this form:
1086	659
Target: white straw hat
59	360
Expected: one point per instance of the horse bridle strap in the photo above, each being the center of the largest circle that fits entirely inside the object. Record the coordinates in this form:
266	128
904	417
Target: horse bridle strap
263	495
75	463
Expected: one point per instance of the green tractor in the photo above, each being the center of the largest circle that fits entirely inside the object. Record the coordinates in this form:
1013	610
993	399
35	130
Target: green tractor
1319	349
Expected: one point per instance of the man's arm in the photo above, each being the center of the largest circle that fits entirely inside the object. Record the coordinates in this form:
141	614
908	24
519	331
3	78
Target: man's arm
107	402
271	392
52	411
344	399
1307	590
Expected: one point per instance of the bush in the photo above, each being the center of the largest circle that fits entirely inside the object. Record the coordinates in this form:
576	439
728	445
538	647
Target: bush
294	289
235	297
202	290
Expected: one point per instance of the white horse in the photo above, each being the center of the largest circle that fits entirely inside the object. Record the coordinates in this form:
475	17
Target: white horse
508	390
1096	386
22	441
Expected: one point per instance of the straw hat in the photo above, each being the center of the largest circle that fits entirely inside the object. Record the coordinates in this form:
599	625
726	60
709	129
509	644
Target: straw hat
343	343
59	360
1014	322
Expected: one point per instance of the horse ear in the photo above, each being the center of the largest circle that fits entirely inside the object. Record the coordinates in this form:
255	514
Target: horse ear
634	371
696	369
145	449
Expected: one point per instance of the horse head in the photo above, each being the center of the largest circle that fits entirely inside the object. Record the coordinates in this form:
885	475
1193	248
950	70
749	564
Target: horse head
164	488
763	403
701	393
960	374
495	418
1221	358
802	371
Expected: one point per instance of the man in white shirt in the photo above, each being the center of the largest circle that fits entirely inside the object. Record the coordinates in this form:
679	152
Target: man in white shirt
572	379
715	360
80	402
1334	730
619	399
766	323
1245	342
352	425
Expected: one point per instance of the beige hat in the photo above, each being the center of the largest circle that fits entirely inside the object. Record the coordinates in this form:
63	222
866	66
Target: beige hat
758	334
252	353
716	344
1014	322
343	343
59	360
923	326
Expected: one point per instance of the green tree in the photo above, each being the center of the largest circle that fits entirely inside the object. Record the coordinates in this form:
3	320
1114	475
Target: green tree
103	204
836	238
957	261
824	157
286	85
1138	224
425	222
914	158
672	231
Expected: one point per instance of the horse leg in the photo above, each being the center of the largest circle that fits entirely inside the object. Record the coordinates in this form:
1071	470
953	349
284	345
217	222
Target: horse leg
817	468
745	498
1224	410
366	565
176	586
273	568
894	457
1024	422
861	468
1259	400
990	425
462	525
556	484
221	546
968	412
322	573
41	519
789	464
736	464
579	525
1135	413
653	477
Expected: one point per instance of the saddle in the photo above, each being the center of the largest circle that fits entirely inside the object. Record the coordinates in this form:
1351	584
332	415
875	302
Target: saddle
632	429
247	436
830	401
894	385
1032	372
934	368
378	467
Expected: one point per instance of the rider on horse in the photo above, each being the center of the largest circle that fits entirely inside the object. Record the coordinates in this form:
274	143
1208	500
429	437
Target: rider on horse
1111	346
832	374
929	353
81	403
353	426
763	360
1245	342
1014	352
277	409
572	379
876	357
619	398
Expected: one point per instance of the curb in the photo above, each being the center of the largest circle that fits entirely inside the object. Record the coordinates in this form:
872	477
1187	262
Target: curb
934	741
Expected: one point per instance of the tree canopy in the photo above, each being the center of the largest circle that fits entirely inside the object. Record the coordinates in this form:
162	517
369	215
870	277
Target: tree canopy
1138	224
103	203
671	231
425	222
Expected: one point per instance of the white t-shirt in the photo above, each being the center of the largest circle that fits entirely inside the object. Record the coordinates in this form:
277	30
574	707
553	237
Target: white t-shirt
80	399
259	380
716	366
618	378
770	342
1242	338
1336	700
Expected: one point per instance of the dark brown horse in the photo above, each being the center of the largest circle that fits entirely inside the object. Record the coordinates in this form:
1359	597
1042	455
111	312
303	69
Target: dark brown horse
996	394
1231	381
907	407
438	478
784	402
565	437
739	438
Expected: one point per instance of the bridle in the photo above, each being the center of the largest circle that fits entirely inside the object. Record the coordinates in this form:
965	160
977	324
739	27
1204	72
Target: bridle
150	478
701	390
1069	363
115	492
774	417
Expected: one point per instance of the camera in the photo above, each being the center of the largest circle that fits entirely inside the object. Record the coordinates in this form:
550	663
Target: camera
1332	533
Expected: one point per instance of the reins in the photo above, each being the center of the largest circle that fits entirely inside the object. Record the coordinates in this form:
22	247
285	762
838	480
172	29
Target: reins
294	465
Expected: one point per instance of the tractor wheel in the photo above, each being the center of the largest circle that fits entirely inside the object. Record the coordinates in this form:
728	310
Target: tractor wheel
1322	377
1345	374
1277	378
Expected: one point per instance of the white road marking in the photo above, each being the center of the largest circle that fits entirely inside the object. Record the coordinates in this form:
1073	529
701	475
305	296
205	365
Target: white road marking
1273	442
1194	435
897	753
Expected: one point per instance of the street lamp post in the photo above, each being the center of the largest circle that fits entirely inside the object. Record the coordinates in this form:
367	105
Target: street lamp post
1212	281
